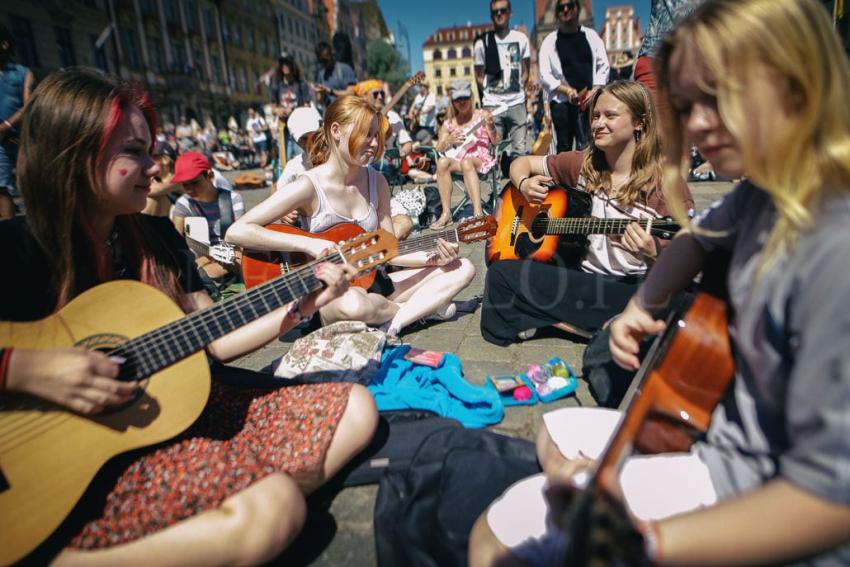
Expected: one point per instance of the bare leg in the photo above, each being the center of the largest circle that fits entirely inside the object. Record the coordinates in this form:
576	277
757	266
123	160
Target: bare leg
486	550
358	305
353	432
445	167
250	527
469	166
422	291
7	206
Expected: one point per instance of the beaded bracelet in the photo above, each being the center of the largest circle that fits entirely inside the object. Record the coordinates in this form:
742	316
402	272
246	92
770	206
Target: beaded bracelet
5	356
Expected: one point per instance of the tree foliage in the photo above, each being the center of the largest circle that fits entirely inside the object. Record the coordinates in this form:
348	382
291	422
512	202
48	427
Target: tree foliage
383	62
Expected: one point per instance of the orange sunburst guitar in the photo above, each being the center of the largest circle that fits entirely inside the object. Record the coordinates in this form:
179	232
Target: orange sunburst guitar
49	455
533	231
258	267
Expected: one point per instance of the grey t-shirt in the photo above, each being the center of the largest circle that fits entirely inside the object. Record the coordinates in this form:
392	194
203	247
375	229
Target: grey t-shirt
788	413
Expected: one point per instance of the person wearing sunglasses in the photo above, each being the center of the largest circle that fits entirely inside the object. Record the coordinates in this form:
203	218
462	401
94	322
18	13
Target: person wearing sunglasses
573	62
502	60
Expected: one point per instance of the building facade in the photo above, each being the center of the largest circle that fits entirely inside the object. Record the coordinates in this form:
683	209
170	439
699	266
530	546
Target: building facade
447	55
621	34
199	59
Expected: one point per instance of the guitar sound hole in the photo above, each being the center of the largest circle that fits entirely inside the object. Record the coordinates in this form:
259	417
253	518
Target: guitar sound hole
538	226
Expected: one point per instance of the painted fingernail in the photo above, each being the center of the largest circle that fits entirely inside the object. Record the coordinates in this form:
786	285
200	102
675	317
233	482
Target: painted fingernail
118	359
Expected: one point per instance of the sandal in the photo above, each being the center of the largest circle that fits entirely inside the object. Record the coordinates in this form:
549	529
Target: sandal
439	226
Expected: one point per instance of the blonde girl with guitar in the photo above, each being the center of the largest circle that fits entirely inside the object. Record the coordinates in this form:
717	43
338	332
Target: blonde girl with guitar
621	171
476	155
737	79
230	489
342	188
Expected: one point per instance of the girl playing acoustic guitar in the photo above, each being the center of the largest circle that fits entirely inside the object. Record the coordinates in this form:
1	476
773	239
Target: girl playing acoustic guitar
761	87
342	189
230	489
621	168
477	158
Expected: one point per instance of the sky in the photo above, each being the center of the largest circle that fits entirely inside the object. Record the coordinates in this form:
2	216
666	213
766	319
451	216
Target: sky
423	17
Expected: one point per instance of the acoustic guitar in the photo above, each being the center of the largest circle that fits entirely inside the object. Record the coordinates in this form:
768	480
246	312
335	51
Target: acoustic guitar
258	267
682	379
533	231
49	455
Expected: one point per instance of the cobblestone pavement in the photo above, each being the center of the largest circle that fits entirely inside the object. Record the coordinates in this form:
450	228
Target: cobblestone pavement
351	540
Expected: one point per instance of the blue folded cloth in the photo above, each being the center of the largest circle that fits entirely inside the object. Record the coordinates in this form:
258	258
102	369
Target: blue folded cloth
402	384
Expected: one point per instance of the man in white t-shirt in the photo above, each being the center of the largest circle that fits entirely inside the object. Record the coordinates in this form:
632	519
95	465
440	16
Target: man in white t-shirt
257	128
424	107
502	61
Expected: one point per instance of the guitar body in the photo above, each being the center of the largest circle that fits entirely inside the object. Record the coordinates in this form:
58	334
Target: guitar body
514	216
48	455
259	267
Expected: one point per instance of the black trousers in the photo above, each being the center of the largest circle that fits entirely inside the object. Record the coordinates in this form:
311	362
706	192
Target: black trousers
570	123
524	294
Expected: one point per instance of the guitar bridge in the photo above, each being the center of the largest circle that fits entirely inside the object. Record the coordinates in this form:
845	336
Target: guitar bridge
515	225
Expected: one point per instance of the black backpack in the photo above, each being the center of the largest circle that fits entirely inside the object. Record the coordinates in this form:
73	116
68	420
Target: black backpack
423	514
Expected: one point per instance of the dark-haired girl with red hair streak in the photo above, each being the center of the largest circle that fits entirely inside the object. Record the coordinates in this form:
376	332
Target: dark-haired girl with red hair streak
229	490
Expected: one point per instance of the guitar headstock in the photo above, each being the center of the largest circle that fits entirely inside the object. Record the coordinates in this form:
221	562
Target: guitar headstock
223	254
369	250
416	78
476	228
664	229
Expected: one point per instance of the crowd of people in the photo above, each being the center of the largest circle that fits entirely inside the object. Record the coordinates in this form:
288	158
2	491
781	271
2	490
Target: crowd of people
108	195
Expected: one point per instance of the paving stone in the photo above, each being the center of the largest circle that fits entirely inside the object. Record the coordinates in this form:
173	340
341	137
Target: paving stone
353	542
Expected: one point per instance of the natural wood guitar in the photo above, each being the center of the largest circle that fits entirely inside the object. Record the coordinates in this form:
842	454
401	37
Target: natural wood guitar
683	377
533	231
258	267
49	455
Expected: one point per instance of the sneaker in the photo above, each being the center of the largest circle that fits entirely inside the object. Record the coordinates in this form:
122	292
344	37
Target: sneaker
527	334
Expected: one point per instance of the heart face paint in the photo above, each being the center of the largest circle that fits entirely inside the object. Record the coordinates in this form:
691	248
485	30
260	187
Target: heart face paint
123	172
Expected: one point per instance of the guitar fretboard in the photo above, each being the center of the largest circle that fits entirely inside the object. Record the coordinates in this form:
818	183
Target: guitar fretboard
592	225
166	345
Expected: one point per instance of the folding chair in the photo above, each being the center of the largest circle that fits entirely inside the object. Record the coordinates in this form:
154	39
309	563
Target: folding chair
492	178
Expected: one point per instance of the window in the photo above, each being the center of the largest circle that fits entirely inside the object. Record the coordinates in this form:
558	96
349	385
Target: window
452	54
24	42
198	64
467	52
65	47
438	54
264	46
130	47
216	68
243	80
252	41
155	53
180	62
438	73
171	15
452	72
440	90
190	14
237	35
225	31
466	70
98	56
209	23
148	7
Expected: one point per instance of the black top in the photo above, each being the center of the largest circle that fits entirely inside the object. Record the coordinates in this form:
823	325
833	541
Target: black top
576	59
25	288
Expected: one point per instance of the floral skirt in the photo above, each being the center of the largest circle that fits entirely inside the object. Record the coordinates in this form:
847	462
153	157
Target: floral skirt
242	436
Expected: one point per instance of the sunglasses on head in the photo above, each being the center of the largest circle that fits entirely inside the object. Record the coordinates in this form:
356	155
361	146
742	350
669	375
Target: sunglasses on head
377	94
566	6
499	12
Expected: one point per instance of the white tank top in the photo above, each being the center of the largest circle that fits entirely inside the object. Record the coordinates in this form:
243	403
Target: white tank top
324	217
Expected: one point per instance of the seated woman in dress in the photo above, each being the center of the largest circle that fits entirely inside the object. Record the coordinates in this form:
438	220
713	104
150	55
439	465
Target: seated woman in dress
477	158
230	489
341	188
621	169
767	484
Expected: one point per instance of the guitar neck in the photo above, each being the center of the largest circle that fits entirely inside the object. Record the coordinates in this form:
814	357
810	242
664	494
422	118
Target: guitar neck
198	247
427	242
588	225
166	345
